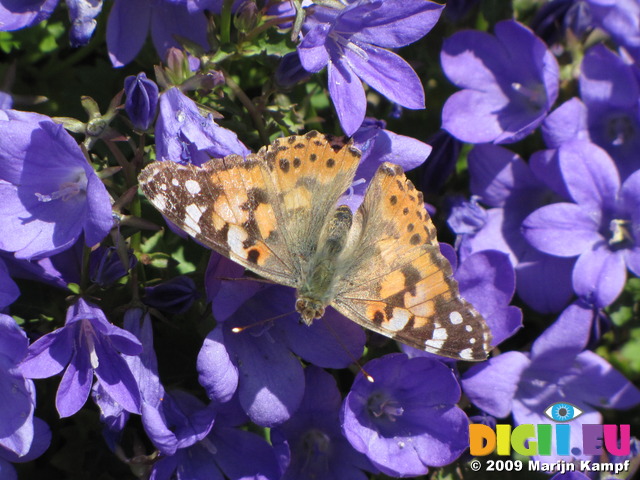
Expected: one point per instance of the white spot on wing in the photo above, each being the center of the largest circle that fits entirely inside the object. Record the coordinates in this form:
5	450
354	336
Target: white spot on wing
466	354
160	201
193	217
175	182
163	187
399	319
455	318
192	187
235	238
468	328
435	344
440	334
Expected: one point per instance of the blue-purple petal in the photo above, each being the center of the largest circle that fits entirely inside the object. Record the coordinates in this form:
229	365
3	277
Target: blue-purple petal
48	355
75	385
127	29
562	229
599	275
169	20
216	371
333	341
590	175
347	94
396	23
503	373
403	87
312	50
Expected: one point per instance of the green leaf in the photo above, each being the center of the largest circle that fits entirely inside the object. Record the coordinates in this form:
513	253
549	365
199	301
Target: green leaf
184	266
8	43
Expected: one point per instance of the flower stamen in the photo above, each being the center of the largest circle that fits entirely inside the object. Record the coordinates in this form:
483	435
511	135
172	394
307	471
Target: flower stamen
381	406
620	232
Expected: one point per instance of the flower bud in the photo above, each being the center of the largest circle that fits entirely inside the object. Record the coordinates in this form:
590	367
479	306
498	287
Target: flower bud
142	100
247	16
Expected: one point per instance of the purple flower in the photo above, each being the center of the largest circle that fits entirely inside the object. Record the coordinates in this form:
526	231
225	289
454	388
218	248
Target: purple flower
184	134
18	394
509	82
610	91
310	444
290	71
407	419
20	14
173	296
488	281
601	227
58	270
142	100
87	345
8	289
130	20
557	369
379	145
442	162
352	41
456	10
566	123
554	18
82	14
6	101
49	194
620	19
226	452
16	14
105	265
40	443
502	180
258	361
172	420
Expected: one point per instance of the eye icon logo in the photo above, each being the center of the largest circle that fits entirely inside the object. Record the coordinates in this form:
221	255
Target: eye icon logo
562	412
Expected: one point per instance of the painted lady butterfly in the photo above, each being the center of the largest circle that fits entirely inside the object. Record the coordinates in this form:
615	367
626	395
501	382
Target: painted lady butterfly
275	214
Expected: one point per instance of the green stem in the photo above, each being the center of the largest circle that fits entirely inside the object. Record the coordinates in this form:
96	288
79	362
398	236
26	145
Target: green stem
225	22
266	25
84	271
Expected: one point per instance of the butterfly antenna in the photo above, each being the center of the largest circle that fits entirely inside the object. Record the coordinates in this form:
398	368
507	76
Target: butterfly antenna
260	322
344	347
248	279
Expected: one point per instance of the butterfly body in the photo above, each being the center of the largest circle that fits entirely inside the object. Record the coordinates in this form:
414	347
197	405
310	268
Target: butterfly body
275	213
317	290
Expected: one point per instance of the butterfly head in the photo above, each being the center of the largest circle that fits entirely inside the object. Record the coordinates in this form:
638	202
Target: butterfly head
309	309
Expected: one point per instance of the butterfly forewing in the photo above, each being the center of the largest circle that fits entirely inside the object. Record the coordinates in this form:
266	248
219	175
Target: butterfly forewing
398	283
308	174
223	204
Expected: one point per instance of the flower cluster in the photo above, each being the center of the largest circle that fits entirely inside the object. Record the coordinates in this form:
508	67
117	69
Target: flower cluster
128	350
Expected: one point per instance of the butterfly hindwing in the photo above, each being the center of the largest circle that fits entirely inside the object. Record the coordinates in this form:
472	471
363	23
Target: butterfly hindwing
399	284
